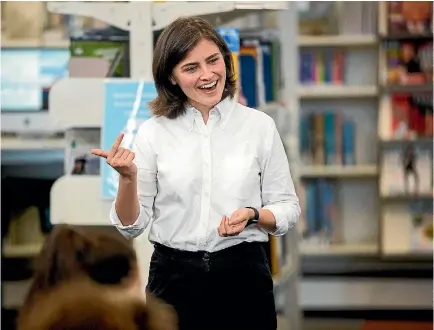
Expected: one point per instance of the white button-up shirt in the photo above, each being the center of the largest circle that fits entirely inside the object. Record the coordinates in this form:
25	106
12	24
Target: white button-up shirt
191	174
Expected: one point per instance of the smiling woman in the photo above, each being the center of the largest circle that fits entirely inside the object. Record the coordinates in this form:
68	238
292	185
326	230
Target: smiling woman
211	179
197	70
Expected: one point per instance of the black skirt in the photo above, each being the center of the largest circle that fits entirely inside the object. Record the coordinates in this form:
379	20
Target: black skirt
224	290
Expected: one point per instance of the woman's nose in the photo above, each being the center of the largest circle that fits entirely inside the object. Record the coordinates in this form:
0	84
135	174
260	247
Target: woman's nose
206	73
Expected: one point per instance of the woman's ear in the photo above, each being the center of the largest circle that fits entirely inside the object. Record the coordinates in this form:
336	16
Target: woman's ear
172	80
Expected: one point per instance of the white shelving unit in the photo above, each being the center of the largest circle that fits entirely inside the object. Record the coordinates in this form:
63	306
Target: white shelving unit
337	92
29	143
351	41
332	171
79	103
358	199
396	220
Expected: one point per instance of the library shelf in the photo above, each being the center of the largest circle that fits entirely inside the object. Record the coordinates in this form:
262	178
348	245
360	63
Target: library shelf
401	88
21	251
32	143
338	41
336	91
340	249
332	171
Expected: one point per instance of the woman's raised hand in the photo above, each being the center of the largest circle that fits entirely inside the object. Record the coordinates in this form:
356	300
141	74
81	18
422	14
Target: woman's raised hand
120	159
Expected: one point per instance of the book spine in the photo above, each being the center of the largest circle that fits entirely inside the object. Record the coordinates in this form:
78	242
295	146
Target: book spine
319	139
348	143
338	138
329	138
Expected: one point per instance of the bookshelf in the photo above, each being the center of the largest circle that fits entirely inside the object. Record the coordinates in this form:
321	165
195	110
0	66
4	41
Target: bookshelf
406	131
345	76
369	227
338	101
356	95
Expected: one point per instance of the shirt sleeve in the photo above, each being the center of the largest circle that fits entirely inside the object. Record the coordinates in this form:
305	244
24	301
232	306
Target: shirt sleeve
278	192
145	160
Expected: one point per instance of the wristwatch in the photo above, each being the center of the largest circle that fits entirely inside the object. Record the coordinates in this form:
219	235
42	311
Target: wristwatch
255	219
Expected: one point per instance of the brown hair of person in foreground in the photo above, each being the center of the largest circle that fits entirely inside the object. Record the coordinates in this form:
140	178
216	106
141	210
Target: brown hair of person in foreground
70	253
88	306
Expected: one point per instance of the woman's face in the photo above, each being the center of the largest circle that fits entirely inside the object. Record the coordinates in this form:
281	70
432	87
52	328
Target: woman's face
201	75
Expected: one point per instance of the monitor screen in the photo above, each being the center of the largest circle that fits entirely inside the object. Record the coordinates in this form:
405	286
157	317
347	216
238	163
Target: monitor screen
27	76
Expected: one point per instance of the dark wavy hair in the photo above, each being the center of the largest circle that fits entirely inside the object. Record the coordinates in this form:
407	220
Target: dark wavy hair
173	45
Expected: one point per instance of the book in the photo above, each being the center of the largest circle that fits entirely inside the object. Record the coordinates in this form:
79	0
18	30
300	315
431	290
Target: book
407	116
409	17
327	139
409	62
259	71
320	221
421	214
321	67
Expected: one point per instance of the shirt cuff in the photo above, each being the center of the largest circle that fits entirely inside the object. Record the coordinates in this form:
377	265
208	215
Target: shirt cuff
283	216
130	231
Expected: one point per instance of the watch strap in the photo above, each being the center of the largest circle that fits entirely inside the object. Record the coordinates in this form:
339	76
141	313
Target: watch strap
255	219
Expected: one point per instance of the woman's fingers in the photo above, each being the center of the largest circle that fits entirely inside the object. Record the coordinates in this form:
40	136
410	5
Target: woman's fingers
228	229
221	229
130	158
113	150
100	153
120	153
116	145
225	229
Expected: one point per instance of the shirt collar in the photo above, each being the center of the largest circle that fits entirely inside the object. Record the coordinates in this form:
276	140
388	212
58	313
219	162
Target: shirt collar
224	108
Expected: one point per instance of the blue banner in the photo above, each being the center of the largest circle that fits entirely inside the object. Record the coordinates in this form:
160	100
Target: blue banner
126	108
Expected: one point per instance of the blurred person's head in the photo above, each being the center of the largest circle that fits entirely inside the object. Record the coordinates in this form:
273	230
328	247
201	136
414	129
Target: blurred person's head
70	254
84	305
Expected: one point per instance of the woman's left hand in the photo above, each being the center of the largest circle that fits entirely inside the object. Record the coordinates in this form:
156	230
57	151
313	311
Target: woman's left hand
235	224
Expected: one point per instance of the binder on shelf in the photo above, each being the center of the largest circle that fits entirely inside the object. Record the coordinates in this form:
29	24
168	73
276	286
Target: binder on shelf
232	38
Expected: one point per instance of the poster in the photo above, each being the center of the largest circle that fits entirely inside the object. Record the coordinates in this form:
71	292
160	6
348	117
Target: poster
126	108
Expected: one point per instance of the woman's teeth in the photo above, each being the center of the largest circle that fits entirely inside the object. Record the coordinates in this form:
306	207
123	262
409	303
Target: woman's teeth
210	85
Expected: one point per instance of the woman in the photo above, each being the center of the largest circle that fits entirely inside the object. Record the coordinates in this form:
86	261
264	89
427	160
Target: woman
84	305
211	178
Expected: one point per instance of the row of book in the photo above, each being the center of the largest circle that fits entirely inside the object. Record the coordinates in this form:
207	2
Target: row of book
321	224
321	67
320	220
327	139
259	73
